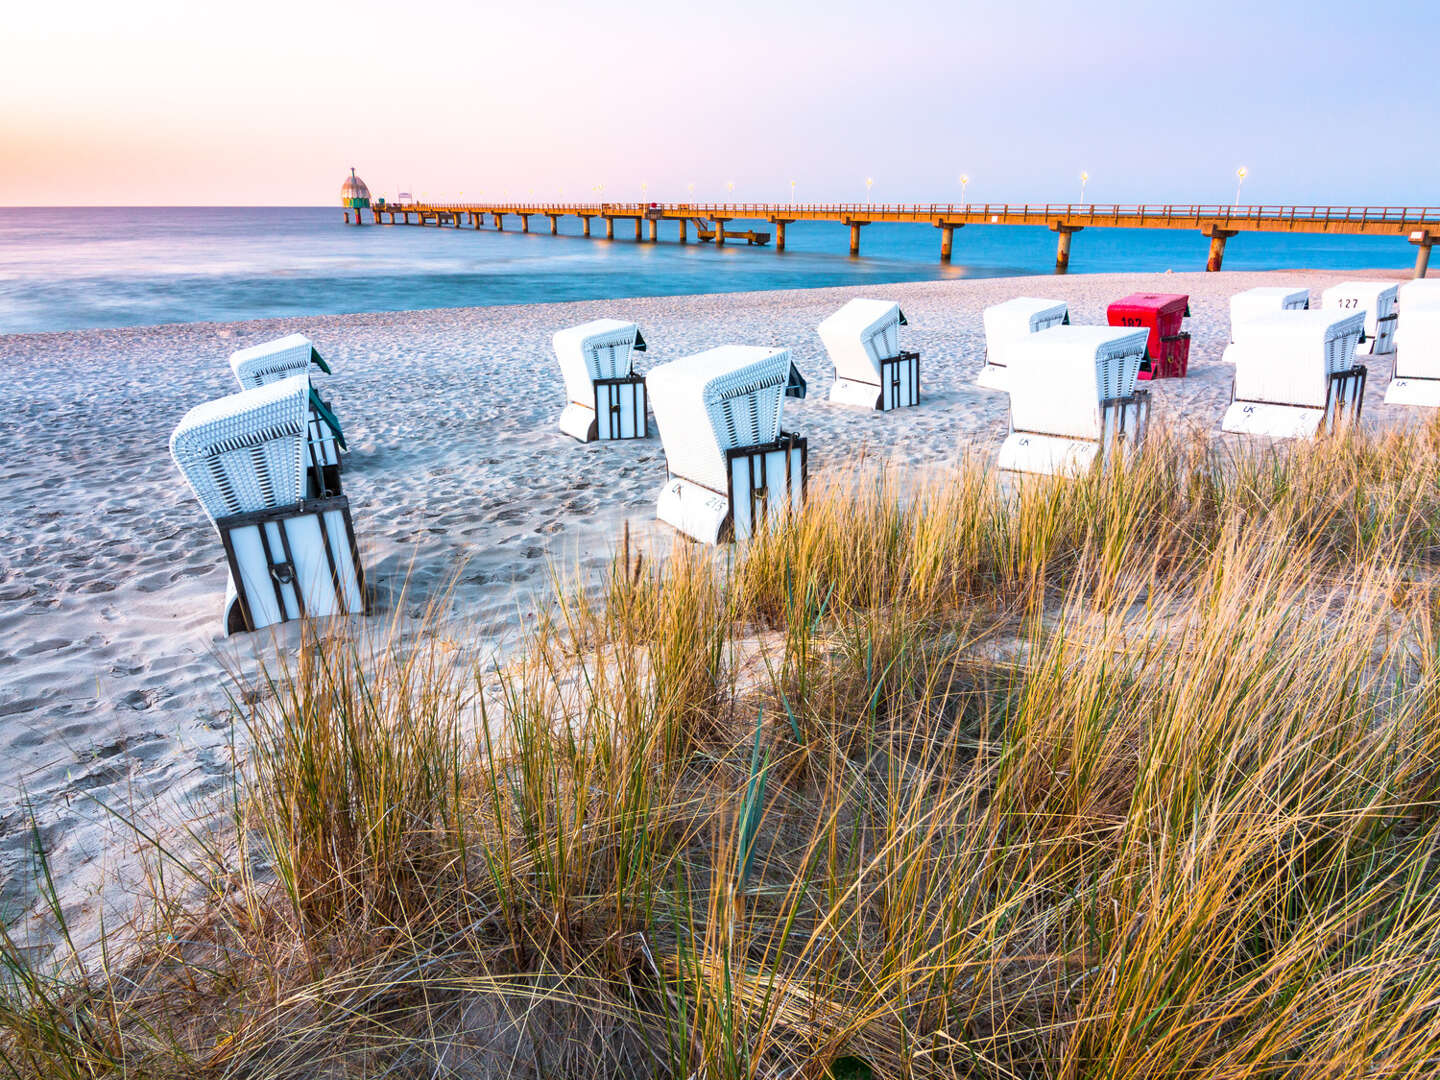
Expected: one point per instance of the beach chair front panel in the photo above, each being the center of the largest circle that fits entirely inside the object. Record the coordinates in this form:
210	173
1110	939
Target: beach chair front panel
1417	359
620	408
293	562
767	484
900	381
1376	300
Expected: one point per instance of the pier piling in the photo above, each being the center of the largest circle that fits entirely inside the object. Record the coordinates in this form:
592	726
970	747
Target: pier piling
947	238
855	235
554	224
524	222
780	223
585	225
654	230
1422	241
684	231
1062	245
637	230
720	224
609	228
1217	236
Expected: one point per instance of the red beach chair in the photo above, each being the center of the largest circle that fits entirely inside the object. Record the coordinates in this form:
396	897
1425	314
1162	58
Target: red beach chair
1168	353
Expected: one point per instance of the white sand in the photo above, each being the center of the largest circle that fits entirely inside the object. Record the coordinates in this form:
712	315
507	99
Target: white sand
112	691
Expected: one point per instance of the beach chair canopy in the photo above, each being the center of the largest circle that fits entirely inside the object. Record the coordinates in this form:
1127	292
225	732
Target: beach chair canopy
1022	316
1264	300
715	401
602	349
246	452
271	361
1417	344
860	335
1376	299
1059	377
1418	293
1287	357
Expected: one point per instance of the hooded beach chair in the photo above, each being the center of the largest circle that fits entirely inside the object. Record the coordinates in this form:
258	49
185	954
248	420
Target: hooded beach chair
1418	293
1162	314
1376	300
1295	372
731	469
1264	300
1416	377
1013	321
871	370
1073	398
604	398
288	555
284	358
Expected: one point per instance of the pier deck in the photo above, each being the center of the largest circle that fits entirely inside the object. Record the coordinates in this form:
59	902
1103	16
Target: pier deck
1217	223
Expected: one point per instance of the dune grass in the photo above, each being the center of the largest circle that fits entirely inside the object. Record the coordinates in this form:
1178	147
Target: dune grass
1133	776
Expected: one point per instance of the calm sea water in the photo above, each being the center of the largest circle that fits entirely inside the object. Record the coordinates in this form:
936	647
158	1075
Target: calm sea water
62	269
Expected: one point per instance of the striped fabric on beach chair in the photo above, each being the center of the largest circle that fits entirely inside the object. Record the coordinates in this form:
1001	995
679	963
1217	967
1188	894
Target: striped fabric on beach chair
1265	300
605	399
731	469
288	556
284	358
1376	301
1074	401
1295	374
871	370
1011	322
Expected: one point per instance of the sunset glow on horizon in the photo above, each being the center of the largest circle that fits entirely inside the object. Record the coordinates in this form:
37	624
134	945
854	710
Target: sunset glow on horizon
169	103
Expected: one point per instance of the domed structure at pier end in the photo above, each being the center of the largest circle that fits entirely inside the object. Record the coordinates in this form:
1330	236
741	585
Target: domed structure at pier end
354	195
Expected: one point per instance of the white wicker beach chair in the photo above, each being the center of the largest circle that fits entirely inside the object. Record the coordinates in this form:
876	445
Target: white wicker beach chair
1294	372
1418	293
245	458
284	358
1416	377
731	468
604	398
1264	300
1013	321
871	370
1376	300
1073	398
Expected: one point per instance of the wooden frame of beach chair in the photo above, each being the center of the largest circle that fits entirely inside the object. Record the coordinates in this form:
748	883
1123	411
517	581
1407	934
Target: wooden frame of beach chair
1376	300
605	399
1074	402
245	458
1296	375
871	370
1013	321
1265	300
1415	379
730	468
284	358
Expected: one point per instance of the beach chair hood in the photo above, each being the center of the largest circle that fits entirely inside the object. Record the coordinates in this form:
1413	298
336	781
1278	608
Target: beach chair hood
246	452
1287	357
602	349
860	335
714	401
271	361
1059	377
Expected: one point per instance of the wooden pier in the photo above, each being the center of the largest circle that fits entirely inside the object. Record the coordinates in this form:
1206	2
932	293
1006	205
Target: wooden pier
1419	224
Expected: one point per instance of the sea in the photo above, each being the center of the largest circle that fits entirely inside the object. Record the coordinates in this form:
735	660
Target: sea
71	268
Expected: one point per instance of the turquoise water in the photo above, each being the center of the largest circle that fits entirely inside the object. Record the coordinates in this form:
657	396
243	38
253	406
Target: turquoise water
63	269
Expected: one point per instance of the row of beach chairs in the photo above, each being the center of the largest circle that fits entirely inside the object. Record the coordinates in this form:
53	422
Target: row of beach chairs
265	462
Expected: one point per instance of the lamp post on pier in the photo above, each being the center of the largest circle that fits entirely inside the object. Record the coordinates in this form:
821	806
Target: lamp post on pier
1240	175
1084	179
964	183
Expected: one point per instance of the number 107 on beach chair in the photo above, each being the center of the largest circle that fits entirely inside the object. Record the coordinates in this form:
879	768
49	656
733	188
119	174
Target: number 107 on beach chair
288	556
732	470
605	399
1295	374
871	370
1073	399
284	358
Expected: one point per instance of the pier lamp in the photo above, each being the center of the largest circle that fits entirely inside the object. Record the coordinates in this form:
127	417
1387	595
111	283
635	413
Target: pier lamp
730	187
1240	175
869	183
1084	179
792	191
964	183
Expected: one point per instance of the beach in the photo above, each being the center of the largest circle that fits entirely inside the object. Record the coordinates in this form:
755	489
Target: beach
115	700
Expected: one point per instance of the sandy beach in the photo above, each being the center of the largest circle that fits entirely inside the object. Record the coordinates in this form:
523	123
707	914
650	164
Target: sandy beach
113	692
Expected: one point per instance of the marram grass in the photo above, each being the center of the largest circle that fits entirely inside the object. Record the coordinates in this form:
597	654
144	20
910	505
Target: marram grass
1133	777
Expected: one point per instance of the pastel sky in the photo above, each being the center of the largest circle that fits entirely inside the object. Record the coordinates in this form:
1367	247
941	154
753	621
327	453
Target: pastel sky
176	102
